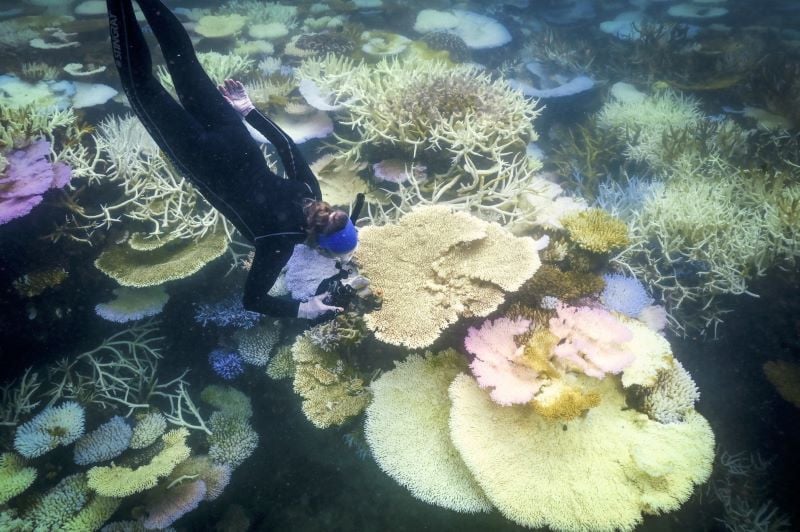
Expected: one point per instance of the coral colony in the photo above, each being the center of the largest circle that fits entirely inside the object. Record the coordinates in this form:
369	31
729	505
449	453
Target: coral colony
509	349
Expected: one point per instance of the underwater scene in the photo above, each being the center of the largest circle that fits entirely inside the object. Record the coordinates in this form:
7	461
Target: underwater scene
389	265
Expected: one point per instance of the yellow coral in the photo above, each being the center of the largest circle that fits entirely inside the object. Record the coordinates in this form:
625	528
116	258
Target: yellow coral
596	230
215	26
600	471
785	377
406	429
441	265
118	481
176	260
331	393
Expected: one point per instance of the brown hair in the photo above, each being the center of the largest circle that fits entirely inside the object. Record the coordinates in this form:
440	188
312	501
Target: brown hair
322	219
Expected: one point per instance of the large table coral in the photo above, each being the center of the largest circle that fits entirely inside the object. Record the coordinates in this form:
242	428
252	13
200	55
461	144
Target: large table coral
439	265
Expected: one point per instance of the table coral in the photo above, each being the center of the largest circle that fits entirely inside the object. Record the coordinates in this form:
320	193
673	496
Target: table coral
406	429
464	270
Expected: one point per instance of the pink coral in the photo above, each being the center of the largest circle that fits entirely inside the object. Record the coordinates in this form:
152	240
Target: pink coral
495	364
29	175
591	340
166	507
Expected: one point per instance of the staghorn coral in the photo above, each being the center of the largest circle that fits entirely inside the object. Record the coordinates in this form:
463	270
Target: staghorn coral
465	270
419	111
596	231
534	469
151	191
219	67
15	477
119	481
705	232
406	429
331	392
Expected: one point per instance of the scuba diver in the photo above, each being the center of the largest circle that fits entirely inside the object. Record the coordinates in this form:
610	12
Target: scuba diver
205	139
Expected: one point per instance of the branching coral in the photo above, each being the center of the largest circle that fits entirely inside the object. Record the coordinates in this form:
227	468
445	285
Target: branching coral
707	232
151	190
418	111
465	270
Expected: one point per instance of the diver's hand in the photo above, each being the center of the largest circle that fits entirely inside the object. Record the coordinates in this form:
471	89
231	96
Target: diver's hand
316	307
235	93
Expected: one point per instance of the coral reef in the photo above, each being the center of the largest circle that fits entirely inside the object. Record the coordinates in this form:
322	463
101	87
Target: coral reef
119	481
626	295
148	428
225	363
107	441
255	345
37	281
332	393
228	312
281	365
596	231
465	270
15	476
53	426
406	429
131	304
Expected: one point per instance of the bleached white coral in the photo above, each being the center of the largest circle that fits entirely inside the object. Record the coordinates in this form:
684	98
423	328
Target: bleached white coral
673	395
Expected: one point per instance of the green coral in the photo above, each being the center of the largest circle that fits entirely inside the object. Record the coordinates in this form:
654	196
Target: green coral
15	477
227	399
281	365
232	439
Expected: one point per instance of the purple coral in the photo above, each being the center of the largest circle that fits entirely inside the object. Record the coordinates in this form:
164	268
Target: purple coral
625	295
227	312
29	175
227	364
166	507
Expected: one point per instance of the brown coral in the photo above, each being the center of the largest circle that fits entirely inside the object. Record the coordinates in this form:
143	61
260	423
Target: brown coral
566	286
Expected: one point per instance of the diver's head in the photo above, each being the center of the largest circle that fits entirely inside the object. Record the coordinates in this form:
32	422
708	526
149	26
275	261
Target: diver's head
331	230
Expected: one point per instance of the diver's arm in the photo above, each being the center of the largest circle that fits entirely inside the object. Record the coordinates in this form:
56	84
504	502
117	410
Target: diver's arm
293	161
269	260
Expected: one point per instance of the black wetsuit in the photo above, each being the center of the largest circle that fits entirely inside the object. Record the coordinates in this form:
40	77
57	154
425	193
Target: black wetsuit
206	140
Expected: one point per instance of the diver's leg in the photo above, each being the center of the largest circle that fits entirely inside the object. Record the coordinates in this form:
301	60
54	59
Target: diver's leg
198	94
174	130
